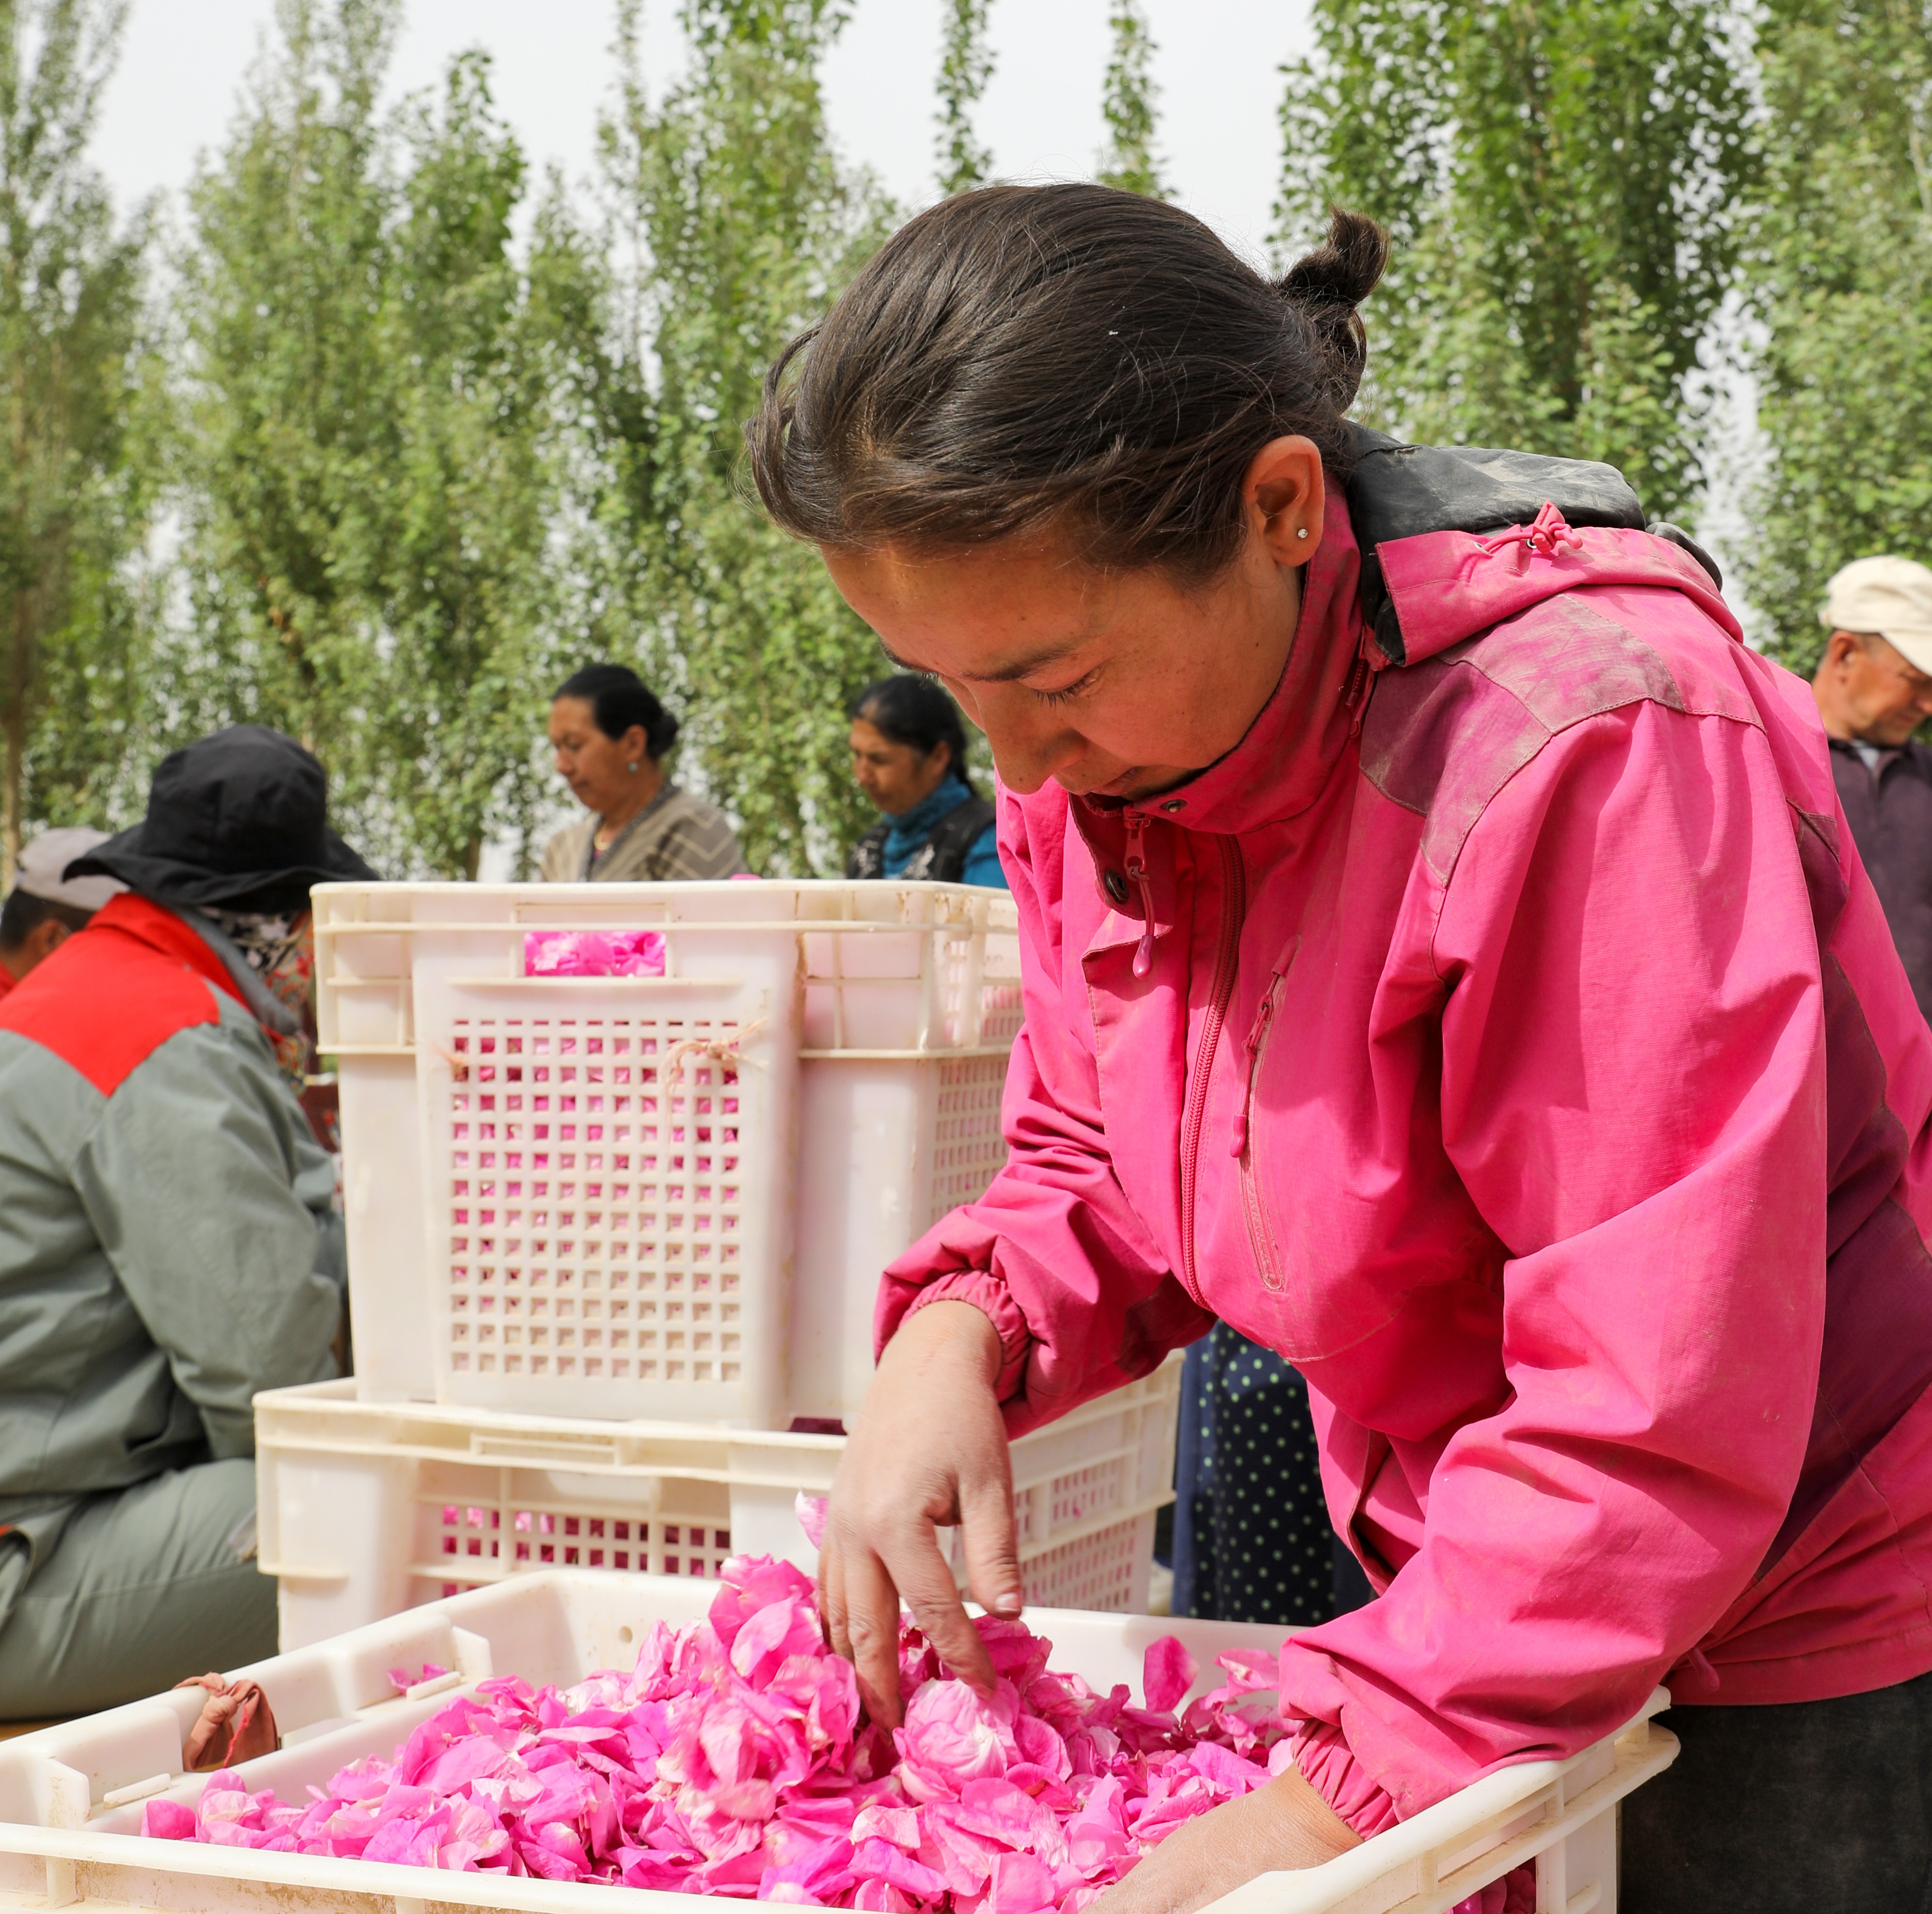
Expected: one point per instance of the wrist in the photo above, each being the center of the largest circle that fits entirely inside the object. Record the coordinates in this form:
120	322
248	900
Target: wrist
950	1330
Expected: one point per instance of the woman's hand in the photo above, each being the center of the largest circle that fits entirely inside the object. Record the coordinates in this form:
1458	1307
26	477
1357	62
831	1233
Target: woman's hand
927	1449
1285	1824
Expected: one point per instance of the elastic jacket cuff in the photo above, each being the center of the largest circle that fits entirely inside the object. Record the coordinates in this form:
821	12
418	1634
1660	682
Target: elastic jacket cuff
1321	1754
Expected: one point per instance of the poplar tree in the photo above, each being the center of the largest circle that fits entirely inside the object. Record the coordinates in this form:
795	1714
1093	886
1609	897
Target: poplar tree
746	228
71	509
368	475
1840	275
1128	105
965	65
1561	184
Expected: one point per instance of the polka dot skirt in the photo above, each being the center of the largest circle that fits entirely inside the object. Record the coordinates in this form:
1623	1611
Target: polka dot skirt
1252	1539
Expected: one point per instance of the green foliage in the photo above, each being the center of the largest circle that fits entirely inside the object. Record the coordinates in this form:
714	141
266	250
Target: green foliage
71	511
1839	275
965	65
746	229
1127	105
369	466
1560	182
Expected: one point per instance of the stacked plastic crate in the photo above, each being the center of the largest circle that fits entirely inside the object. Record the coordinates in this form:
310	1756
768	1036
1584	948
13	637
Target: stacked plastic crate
614	1239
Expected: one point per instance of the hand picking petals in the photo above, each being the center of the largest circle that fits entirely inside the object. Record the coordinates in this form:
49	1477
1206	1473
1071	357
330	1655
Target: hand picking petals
731	1760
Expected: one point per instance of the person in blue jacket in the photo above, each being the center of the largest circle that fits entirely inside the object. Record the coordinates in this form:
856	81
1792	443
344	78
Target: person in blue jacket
909	757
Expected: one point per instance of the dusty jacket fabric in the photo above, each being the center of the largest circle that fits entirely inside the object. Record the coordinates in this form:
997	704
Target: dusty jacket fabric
167	1245
676	839
1533	1069
1890	812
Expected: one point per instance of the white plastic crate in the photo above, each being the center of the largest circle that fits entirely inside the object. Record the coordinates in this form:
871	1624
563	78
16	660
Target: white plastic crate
366	1508
60	1844
667	1196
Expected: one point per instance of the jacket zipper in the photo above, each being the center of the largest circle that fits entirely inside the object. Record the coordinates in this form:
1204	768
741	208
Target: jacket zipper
1234	909
1261	1238
1136	822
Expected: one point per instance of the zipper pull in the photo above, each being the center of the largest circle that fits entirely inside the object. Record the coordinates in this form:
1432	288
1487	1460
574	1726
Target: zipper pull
1263	1016
1137	873
1355	689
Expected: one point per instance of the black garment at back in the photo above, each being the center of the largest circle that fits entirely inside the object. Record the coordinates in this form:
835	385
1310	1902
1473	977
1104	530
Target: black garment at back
941	858
1890	812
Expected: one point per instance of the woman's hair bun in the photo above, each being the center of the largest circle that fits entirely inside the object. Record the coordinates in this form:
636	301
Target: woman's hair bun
1344	268
1330	283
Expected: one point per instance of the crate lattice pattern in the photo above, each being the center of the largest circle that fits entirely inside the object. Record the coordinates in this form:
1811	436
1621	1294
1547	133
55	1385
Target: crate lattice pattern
1097	1572
969	1149
476	1542
595	1216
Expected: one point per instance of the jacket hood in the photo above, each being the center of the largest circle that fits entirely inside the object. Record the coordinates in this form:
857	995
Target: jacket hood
1456	539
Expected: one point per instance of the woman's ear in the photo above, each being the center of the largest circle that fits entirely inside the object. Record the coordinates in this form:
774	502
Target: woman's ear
1284	494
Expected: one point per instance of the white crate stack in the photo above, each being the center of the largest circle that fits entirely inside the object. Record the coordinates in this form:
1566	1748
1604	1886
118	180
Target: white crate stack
612	1238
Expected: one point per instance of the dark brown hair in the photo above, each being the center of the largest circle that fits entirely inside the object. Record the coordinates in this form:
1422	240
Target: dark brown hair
1072	359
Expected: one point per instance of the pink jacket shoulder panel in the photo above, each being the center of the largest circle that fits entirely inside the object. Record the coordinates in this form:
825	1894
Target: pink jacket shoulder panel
1534	1069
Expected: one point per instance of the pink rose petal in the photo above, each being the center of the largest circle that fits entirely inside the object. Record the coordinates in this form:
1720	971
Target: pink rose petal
1167	1672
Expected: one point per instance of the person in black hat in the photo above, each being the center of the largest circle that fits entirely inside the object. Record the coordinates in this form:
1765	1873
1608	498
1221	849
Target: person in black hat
169	1244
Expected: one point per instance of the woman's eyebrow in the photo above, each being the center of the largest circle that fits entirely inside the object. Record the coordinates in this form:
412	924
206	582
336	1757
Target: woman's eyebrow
1024	666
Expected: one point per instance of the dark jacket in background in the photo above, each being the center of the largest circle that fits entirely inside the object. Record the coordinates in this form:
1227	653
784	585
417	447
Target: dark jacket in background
1890	811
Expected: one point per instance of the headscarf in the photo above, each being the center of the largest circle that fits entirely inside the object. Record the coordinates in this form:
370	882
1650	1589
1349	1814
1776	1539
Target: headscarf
279	947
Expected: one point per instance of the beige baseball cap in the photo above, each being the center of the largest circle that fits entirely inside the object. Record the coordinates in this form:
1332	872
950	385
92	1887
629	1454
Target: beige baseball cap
1891	596
43	869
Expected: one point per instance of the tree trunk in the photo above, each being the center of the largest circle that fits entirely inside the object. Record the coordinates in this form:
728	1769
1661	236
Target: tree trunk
15	746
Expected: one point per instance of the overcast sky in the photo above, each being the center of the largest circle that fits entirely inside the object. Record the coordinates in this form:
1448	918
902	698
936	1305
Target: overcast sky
183	61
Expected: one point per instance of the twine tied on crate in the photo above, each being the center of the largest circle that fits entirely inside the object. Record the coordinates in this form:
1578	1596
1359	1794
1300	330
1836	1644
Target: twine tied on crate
712	1049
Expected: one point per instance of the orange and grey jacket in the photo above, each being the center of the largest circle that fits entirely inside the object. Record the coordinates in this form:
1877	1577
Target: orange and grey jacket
168	1243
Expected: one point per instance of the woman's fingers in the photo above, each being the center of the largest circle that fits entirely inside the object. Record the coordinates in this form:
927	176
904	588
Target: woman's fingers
925	1578
986	1529
871	1615
832	1596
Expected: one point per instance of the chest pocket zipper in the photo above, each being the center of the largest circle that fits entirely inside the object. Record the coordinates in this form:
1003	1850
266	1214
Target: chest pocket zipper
1254	1209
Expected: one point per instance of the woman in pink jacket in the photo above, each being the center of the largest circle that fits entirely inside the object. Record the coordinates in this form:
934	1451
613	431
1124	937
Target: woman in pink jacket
1445	962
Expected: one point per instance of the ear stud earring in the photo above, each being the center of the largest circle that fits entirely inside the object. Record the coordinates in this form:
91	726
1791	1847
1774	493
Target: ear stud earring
1301	531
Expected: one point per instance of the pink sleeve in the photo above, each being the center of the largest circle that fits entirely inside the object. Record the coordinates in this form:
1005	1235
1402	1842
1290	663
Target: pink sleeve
1632	1091
1054	1252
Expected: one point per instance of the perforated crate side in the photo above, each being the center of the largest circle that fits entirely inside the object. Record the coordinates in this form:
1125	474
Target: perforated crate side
1107	1571
609	1175
596	1210
969	1148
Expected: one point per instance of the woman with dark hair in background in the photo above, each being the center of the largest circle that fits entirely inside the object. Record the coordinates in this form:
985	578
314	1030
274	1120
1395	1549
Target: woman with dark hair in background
909	757
611	736
1445	960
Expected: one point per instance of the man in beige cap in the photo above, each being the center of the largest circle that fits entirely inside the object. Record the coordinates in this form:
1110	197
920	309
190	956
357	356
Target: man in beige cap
46	907
1874	689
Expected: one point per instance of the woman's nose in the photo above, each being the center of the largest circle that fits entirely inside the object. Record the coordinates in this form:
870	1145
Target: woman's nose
1029	744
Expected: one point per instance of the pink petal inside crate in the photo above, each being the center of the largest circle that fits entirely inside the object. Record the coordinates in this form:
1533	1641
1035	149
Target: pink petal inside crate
1168	1672
810	1510
593	954
732	1759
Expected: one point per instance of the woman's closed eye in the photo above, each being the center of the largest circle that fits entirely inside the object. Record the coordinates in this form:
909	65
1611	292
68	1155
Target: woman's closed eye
1067	693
